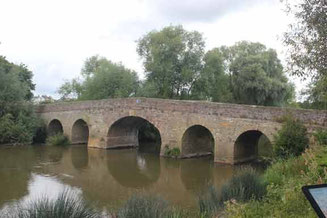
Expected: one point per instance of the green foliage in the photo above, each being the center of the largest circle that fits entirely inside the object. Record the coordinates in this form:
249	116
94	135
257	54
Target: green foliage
307	53
321	136
285	179
171	152
101	79
65	205
306	38
317	94
142	206
19	126
213	83
209	202
16	82
18	122
172	59
256	75
291	139
245	185
58	139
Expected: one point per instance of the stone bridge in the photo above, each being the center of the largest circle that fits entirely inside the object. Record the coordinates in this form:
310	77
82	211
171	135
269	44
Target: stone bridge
231	132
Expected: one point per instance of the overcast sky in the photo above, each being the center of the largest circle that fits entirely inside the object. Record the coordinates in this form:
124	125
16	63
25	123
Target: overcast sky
54	37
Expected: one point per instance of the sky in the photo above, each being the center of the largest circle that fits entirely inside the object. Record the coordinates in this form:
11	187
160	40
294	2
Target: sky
54	37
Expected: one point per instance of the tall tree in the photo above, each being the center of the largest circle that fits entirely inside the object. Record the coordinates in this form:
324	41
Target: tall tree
18	122
172	59
256	75
101	79
306	40
213	83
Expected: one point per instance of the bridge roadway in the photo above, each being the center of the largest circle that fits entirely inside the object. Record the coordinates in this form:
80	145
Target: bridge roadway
231	132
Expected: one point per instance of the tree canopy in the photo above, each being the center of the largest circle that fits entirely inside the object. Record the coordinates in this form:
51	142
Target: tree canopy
256	75
18	122
177	67
101	79
172	60
306	40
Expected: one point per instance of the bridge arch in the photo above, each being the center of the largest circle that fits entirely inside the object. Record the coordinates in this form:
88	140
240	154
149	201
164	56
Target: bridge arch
197	140
134	131
251	144
54	127
80	132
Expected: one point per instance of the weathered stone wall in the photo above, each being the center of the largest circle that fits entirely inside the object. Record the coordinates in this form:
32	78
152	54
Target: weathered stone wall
172	118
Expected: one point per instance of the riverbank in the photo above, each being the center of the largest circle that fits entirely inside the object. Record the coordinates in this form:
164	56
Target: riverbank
284	179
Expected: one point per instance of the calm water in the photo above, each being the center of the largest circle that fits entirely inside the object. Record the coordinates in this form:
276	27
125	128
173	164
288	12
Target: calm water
107	178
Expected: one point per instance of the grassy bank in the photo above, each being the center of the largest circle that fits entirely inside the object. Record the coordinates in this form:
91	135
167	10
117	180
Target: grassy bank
285	178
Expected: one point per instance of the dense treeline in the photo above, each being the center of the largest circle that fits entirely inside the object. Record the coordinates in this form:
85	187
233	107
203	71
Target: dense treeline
177	67
18	123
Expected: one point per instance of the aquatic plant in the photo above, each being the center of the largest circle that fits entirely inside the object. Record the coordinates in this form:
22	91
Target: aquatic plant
171	152
58	139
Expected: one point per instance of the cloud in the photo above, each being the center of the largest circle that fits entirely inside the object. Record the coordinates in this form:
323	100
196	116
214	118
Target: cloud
204	10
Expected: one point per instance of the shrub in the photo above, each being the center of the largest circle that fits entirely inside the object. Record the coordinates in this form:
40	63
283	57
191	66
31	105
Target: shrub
58	139
172	152
282	170
284	197
291	139
321	136
245	185
144	206
65	205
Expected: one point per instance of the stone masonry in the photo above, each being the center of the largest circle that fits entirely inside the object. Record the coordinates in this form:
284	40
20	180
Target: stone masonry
226	122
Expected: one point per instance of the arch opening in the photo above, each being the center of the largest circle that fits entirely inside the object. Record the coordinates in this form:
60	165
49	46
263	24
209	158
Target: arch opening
55	127
80	132
197	141
251	145
135	132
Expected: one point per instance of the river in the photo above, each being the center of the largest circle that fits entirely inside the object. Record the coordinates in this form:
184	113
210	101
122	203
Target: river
106	178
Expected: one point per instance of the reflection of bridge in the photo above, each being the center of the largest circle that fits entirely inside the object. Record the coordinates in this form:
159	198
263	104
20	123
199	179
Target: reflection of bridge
231	132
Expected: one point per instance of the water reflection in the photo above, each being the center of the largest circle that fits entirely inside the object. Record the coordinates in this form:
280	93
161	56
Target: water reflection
14	173
48	154
39	186
107	178
79	156
196	174
133	169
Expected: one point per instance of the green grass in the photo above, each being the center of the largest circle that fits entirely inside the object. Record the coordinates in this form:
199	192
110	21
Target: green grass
58	139
244	186
285	178
145	206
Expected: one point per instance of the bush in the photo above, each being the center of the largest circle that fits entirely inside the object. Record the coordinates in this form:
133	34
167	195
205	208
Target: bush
18	124
291	139
321	136
284	197
65	205
245	185
58	139
172	152
143	206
